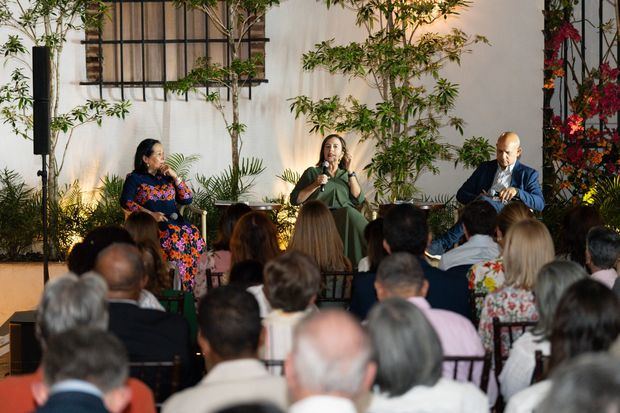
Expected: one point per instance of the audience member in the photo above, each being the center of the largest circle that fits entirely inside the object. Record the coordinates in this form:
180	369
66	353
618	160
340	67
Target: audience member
149	335
229	337
246	274
408	355
68	302
330	364
588	384
292	283
587	320
478	220
83	255
575	226
373	233
553	279
254	238
405	230
316	235
252	408
602	252
84	371
153	278
528	248
486	277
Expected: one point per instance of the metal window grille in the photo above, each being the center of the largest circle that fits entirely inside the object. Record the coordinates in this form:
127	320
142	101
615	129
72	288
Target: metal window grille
146	43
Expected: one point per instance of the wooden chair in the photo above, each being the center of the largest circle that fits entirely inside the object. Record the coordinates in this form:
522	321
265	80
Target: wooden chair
476	300
541	368
275	367
173	301
215	279
336	289
162	377
513	330
467	364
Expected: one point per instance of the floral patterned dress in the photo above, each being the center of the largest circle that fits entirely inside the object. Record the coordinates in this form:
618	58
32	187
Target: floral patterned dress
484	278
508	304
180	241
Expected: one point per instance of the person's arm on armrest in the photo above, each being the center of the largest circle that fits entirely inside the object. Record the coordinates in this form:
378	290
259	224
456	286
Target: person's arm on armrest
531	195
470	190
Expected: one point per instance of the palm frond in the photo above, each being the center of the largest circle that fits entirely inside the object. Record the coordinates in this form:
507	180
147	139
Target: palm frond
290	176
181	164
606	197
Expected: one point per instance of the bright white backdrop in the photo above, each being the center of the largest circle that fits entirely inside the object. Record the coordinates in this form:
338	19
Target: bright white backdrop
500	89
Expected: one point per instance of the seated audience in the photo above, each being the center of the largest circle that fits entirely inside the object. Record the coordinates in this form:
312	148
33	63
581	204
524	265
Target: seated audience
229	337
528	248
588	384
291	284
373	233
84	371
153	278
478	220
246	274
149	335
68	302
330	364
252	408
408	355
553	279
575	226
405	230
586	320
487	276
602	252
83	255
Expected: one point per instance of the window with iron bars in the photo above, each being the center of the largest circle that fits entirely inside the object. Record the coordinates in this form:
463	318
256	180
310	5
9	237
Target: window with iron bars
146	43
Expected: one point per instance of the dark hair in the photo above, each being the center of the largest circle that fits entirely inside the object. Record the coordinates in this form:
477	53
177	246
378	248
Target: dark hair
575	226
344	150
229	319
246	273
374	239
604	246
587	319
155	268
511	213
479	217
145	148
84	254
407	350
227	224
400	270
291	280
262	407
254	237
405	229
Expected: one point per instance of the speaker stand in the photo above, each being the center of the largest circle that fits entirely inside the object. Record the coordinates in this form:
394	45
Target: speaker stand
43	174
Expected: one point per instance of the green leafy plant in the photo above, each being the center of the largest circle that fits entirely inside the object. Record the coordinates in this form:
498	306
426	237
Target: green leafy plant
106	209
474	152
286	216
182	164
397	58
606	197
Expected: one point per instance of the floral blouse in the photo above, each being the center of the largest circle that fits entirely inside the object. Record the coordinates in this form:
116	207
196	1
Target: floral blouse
485	277
508	304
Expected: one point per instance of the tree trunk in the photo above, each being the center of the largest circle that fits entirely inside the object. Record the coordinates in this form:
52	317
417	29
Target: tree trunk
234	86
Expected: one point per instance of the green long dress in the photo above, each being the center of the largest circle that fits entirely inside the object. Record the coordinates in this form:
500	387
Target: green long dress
337	196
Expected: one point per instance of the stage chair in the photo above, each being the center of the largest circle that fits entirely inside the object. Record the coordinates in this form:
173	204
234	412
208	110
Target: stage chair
467	364
192	209
162	377
336	288
510	329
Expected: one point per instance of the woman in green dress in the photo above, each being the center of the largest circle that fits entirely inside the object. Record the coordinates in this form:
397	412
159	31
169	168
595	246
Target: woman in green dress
334	183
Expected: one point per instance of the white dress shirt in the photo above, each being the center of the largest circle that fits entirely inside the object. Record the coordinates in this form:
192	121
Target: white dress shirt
323	404
502	179
527	400
607	277
517	373
477	249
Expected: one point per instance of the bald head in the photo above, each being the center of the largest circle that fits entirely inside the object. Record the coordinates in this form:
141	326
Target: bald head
508	149
122	268
331	355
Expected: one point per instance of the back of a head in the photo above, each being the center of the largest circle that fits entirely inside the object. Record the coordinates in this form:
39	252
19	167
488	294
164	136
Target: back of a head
511	214
552	281
91	355
331	353
316	234
71	302
373	233
407	349
479	218
603	246
84	254
263	407
155	268
587	319
528	247
405	229
122	268
254	238
246	274
588	384
229	319
575	226
142	227
401	274
291	281
227	224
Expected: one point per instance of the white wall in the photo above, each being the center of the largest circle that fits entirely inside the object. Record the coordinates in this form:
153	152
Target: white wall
500	90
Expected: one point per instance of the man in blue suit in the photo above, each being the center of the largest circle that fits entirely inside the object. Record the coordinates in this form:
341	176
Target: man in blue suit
498	182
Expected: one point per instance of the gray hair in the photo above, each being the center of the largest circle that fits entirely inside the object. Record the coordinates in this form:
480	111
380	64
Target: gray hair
400	270
589	383
70	302
86	354
552	280
604	246
121	266
331	353
407	350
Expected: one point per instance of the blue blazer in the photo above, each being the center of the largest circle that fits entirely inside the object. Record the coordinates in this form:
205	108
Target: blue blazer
73	402
524	179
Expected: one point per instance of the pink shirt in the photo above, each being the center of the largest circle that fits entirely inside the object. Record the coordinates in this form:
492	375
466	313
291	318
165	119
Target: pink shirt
607	277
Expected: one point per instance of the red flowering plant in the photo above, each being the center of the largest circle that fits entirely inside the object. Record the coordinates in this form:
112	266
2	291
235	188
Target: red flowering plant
584	147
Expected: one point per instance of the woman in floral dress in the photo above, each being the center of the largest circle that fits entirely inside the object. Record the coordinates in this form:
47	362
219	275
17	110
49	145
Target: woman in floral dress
153	187
528	247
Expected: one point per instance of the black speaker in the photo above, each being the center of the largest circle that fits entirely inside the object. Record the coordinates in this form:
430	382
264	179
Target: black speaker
25	349
41	99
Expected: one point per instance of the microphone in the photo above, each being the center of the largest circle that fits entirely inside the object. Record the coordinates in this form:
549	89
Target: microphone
173	216
325	172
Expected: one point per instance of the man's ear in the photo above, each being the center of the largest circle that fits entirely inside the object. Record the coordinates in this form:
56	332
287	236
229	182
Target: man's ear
423	289
204	345
465	232
380	291
387	248
40	392
369	376
291	376
117	400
